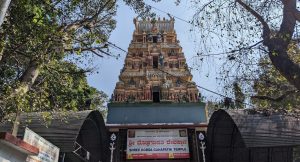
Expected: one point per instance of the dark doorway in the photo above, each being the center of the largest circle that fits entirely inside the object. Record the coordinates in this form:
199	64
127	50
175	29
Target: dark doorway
155	62
154	39
155	94
156	97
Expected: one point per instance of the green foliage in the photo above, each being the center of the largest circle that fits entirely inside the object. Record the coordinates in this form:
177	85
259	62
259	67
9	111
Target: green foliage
34	41
140	7
61	86
244	31
239	96
272	89
212	107
36	38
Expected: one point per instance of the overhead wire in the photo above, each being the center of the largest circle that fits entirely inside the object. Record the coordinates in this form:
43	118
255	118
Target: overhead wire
186	81
179	18
201	87
115	46
171	15
195	25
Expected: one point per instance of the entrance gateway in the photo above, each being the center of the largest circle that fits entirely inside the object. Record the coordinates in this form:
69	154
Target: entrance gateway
157	132
155	111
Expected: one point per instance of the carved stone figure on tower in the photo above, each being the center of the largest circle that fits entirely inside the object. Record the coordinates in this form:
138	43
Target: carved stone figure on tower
161	59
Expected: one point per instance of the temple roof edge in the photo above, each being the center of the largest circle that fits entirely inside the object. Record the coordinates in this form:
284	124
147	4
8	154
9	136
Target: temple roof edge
147	24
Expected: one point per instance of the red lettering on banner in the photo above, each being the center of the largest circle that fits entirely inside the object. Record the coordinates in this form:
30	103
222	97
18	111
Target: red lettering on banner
159	156
176	142
130	143
148	143
157	144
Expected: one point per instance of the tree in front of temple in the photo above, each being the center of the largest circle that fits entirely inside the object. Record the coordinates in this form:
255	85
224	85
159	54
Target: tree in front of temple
36	38
248	31
272	89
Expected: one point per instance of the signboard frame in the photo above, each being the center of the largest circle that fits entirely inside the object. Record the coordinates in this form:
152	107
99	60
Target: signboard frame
157	144
47	151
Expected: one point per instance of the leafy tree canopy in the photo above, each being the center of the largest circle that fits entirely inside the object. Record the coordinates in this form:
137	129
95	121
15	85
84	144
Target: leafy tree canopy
245	32
36	38
272	89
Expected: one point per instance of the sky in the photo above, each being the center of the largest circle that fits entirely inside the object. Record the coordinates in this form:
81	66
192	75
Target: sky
108	68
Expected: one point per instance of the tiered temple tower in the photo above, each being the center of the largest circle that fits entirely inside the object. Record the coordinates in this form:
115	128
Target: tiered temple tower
155	68
155	100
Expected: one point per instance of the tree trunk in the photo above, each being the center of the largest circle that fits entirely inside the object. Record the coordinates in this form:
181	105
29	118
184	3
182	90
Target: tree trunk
2	46
278	46
16	124
3	8
26	81
284	64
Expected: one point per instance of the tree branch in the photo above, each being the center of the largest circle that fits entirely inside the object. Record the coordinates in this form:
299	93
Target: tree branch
75	25
203	7
4	4
278	46
231	51
266	29
288	21
277	99
75	72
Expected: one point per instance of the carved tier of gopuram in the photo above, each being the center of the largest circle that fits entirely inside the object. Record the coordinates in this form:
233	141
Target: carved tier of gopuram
155	112
155	68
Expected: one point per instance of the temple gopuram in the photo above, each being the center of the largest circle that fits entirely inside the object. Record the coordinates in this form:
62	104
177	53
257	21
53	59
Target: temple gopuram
155	113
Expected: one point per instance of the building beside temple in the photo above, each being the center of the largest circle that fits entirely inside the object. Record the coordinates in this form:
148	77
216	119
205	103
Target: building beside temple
155	111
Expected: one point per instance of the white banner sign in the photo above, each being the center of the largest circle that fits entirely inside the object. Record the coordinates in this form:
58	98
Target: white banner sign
47	151
157	144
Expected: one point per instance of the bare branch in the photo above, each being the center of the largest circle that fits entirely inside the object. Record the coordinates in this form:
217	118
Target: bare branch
80	71
94	50
233	51
277	99
287	26
266	29
203	7
77	24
